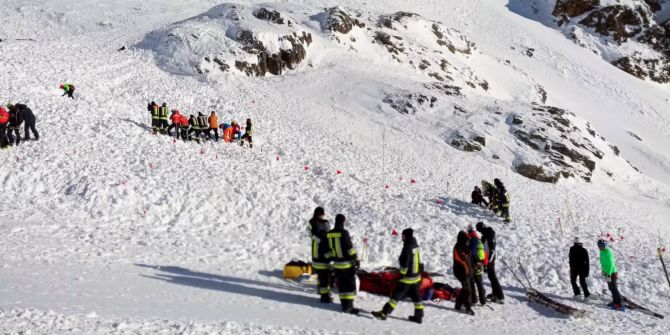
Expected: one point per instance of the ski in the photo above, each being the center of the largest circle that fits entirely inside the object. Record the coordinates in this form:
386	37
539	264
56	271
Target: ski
634	306
535	296
513	273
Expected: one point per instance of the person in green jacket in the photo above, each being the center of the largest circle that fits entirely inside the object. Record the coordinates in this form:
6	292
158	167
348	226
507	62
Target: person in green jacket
608	264
68	89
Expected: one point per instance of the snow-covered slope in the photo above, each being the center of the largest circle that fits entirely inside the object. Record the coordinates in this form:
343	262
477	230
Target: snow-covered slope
108	229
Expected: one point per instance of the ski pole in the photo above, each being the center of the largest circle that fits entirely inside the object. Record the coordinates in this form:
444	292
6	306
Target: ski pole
660	257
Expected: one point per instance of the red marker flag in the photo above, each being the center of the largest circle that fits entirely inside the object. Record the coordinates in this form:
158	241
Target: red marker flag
338	172
394	233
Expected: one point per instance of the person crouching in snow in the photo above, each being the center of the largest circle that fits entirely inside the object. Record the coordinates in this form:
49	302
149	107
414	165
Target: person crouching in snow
248	135
183	124
478	197
176	122
4	121
68	90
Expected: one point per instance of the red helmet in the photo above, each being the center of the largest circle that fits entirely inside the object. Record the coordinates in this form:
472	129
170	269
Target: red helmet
61	86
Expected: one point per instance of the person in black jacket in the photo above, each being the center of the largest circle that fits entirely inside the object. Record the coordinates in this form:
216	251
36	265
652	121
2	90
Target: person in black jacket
463	271
318	229
410	269
579	267
345	264
29	121
488	238
15	121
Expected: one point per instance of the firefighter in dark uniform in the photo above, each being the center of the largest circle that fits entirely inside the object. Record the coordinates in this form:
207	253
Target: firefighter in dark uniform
155	117
503	200
410	269
345	264
489	241
491	193
318	229
163	118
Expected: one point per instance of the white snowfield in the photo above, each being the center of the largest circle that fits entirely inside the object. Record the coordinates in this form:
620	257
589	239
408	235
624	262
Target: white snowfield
108	229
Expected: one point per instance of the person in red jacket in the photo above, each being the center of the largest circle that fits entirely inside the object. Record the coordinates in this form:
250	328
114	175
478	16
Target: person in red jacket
4	120
176	123
183	125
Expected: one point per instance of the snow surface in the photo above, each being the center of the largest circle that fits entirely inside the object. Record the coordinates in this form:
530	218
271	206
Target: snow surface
108	229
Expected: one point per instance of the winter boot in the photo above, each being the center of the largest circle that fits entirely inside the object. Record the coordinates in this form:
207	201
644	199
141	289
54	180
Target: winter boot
351	310
326	298
379	315
469	311
414	319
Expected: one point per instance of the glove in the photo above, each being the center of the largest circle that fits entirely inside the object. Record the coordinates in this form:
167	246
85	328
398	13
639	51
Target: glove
357	265
615	276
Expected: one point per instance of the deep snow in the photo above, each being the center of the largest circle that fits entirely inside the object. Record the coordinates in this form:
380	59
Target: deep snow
108	229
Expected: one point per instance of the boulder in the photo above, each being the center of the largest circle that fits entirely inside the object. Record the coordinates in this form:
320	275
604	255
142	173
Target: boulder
536	173
573	8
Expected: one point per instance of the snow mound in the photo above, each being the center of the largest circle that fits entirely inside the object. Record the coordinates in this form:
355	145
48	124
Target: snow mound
254	40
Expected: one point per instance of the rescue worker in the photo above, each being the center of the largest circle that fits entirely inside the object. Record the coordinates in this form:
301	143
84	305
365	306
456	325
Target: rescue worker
488	238
68	90
202	122
478	262
503	200
410	269
4	121
213	126
163	118
195	128
579	267
463	271
183	124
155	118
248	134
236	131
15	121
318	228
491	193
29	120
228	133
345	264
175	118
477	197
608	264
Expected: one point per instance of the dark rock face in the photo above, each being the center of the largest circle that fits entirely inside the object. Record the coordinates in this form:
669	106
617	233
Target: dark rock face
269	15
396	18
273	63
340	21
410	103
621	22
572	8
536	173
549	131
654	5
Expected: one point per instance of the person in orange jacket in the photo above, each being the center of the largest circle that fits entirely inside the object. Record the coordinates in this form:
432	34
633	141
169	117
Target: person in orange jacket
213	127
4	120
236	131
176	122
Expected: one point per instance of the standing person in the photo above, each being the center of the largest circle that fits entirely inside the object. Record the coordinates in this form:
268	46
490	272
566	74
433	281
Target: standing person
318	229
478	262
183	124
489	241
579	267
202	123
163	118
478	198
345	264
29	120
248	134
155	117
15	121
68	90
503	200
195	128
491	193
608	264
4	121
410	270
213	126
176	122
463	271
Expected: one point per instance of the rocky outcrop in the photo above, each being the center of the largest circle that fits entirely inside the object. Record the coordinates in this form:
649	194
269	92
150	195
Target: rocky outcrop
633	22
573	8
276	63
340	21
469	144
269	15
410	103
550	132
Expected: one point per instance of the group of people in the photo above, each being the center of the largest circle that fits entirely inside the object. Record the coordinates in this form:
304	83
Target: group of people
580	268
334	257
11	119
498	198
195	127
